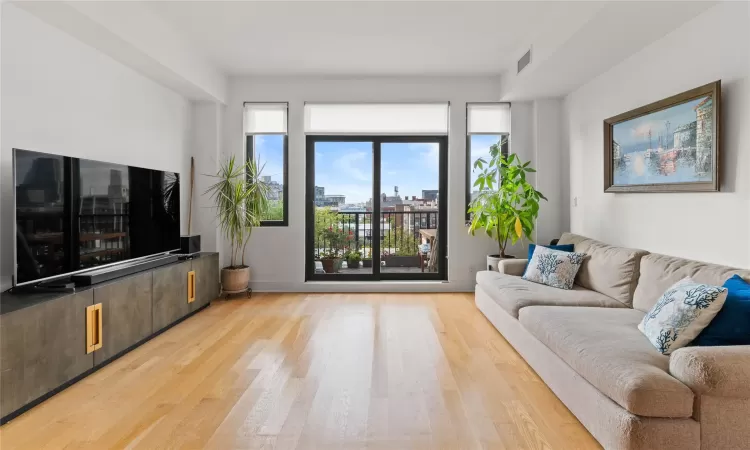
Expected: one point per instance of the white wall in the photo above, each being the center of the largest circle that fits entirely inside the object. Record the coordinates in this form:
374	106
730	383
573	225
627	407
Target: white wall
61	96
549	156
276	255
537	136
206	122
714	227
5	278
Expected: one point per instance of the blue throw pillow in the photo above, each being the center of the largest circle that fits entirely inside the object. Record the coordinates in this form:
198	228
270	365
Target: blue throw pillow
562	247
731	326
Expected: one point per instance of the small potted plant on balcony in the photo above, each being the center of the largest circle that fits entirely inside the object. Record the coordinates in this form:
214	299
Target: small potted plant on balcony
330	261
403	249
507	205
367	261
352	259
241	198
338	239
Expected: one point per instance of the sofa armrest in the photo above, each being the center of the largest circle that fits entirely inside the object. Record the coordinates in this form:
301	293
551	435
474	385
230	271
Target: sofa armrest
512	266
716	371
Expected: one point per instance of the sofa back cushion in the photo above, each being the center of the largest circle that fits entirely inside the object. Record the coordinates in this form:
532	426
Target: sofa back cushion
609	270
659	272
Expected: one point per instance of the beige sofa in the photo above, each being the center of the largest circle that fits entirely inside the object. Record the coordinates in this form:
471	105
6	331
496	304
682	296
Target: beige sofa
586	346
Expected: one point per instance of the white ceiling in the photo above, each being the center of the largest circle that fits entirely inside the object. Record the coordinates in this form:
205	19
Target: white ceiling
369	38
191	46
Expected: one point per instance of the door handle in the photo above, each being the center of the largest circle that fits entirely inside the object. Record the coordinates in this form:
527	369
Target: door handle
191	287
94	335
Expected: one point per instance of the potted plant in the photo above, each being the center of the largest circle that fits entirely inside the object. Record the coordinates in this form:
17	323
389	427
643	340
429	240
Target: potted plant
352	259
507	205
330	261
241	199
405	251
338	239
366	262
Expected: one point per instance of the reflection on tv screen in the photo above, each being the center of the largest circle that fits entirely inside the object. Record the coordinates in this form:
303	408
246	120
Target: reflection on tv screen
73	214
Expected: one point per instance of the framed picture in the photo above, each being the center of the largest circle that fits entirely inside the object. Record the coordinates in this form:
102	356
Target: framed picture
672	145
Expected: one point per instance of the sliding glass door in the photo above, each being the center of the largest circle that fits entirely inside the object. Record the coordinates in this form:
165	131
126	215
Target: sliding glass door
376	208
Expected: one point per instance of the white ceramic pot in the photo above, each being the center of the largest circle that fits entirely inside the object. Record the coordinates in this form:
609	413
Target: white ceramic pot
494	260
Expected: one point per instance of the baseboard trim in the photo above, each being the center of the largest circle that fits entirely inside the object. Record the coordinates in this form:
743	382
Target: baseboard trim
10	416
363	286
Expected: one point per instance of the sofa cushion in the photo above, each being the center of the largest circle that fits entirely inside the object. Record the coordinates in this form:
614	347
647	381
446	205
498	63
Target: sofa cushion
513	293
610	270
659	272
604	346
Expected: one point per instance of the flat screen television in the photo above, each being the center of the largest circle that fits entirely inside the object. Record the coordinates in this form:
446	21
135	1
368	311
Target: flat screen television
75	214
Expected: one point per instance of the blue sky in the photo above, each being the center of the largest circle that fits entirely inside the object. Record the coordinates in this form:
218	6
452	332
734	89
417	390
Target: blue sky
345	168
636	131
269	150
480	148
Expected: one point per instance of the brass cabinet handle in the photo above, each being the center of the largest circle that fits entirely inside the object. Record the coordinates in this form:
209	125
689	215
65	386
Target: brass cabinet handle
94	335
191	287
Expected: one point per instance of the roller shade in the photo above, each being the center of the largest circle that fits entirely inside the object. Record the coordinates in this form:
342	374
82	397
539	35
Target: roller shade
488	118
265	118
374	119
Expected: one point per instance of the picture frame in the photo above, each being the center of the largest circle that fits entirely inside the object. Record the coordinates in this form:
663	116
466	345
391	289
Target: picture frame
672	145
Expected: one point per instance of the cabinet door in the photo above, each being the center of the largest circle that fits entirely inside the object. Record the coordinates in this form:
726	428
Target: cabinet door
126	314
206	269
42	347
170	301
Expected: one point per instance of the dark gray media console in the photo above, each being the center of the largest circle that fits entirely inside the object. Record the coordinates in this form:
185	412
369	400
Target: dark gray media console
48	341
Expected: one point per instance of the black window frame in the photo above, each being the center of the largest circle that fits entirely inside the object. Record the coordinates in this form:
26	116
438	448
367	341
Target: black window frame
505	150
377	141
250	153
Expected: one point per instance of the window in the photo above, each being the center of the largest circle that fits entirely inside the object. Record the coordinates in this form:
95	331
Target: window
487	124
266	142
376	189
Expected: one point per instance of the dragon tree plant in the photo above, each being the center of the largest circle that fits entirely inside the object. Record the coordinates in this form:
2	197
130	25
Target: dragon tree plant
241	200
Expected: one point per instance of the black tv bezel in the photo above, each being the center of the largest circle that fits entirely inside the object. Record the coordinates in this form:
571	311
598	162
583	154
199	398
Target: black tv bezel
38	281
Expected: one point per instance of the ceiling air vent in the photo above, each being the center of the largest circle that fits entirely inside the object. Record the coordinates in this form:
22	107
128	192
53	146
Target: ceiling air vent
524	61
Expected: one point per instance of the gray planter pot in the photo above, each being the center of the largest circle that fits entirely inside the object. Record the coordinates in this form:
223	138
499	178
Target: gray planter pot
235	280
401	261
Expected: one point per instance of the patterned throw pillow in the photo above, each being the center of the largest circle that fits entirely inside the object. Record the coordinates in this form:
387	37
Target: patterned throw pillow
553	267
682	312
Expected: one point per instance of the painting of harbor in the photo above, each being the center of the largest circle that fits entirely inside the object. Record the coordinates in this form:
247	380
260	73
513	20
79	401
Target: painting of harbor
673	145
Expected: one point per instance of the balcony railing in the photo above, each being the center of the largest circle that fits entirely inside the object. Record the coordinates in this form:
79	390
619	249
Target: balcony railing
399	232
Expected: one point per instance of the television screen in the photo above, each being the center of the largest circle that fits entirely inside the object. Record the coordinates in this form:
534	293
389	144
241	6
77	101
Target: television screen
74	214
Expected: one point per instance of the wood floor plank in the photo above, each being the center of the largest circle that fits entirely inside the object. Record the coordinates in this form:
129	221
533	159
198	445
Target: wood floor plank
306	371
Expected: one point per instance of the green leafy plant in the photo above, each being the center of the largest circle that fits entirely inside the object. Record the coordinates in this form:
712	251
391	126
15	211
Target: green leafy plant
241	198
353	258
400	242
329	232
507	204
353	255
325	218
339	240
275	210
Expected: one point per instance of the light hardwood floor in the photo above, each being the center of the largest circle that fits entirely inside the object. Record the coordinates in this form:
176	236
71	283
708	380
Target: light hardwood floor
306	371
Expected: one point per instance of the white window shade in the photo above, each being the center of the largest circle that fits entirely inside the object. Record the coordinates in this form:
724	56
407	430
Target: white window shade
373	119
488	118
265	118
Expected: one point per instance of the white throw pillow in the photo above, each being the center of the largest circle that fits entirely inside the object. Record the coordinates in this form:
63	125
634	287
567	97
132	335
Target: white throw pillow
681	313
553	267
